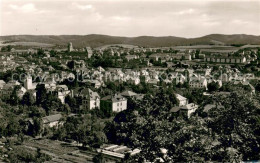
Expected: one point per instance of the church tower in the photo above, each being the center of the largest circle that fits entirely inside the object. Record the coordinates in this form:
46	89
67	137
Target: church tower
28	82
70	47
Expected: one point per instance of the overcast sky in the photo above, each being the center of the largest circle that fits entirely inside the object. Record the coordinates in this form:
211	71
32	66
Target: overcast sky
129	18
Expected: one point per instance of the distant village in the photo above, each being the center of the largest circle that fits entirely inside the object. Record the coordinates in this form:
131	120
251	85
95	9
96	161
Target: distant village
115	78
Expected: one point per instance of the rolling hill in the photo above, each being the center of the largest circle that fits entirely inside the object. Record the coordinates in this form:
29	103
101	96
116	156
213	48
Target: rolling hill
95	40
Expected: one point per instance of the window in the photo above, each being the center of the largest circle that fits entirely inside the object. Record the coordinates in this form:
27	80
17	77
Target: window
117	104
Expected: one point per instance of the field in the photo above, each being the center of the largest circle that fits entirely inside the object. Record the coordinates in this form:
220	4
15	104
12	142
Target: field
59	151
31	44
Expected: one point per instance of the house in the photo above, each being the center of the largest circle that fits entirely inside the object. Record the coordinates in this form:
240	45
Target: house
198	82
130	57
160	56
116	153
180	79
182	100
96	83
134	80
170	64
2	83
90	99
63	91
189	109
6	90
181	56
185	110
52	120
115	103
21	92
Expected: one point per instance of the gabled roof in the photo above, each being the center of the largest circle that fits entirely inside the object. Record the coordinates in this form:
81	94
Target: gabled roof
175	109
180	98
86	92
210	106
128	93
115	98
52	118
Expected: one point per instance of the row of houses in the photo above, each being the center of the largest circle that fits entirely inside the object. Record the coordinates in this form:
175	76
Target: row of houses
225	59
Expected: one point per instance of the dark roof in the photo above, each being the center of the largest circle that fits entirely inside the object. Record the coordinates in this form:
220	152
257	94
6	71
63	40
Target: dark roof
115	98
128	93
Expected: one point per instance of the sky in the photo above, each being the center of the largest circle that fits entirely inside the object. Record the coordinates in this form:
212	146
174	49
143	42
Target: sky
188	18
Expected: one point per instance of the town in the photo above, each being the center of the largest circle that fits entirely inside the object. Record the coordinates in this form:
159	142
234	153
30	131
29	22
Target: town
85	104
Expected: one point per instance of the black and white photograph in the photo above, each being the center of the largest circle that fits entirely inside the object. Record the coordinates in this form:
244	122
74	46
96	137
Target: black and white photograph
126	81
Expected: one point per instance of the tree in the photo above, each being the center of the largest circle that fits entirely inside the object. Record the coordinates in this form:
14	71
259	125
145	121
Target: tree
66	109
52	103
41	94
37	126
71	64
28	99
14	99
213	86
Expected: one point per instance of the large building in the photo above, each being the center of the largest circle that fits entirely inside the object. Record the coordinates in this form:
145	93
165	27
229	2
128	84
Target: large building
181	56
90	99
225	59
198	82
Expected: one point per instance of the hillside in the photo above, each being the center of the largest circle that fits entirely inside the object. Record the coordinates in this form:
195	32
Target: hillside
95	40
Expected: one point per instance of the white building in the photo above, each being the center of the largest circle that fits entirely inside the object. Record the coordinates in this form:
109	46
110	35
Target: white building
182	100
116	103
89	51
189	109
198	82
28	85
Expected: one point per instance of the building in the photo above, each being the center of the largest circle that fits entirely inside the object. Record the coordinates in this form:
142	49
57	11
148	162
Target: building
180	79
70	47
52	120
63	91
198	82
89	51
185	110
189	109
182	100
2	83
115	103
90	99
116	153
28	83
130	57
181	56
218	58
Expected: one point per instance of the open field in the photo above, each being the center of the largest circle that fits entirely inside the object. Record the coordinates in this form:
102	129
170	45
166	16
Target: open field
117	45
59	151
34	44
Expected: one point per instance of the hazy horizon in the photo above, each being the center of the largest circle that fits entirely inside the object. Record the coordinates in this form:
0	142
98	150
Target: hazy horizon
186	19
125	36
